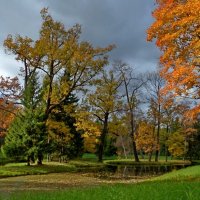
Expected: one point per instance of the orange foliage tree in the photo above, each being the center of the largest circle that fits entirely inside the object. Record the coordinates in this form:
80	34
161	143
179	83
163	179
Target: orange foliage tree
177	33
10	91
6	116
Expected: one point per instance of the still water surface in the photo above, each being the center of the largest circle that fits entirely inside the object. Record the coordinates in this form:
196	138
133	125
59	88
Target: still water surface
133	171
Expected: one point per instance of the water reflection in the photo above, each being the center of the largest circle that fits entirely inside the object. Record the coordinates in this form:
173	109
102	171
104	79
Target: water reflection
135	172
125	171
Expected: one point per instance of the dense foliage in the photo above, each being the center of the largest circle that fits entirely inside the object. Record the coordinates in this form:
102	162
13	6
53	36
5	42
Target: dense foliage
72	101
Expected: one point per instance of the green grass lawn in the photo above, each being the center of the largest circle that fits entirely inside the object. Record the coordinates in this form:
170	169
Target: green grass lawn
182	184
141	191
19	169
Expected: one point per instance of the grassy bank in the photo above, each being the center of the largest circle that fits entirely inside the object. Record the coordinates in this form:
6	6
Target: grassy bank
187	174
20	169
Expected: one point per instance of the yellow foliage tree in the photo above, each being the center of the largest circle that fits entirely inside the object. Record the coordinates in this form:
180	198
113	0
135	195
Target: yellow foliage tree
146	138
91	131
57	53
119	129
104	101
178	140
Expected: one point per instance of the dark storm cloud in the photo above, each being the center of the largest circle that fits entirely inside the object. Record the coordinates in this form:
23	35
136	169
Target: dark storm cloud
123	23
120	22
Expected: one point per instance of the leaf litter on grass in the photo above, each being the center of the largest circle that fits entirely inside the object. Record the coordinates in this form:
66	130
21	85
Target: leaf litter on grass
54	181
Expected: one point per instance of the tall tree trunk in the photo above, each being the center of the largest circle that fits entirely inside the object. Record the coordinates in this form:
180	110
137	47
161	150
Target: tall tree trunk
49	95
40	158
150	156
124	149
28	160
48	102
166	153
135	151
133	139
158	134
157	145
103	137
166	149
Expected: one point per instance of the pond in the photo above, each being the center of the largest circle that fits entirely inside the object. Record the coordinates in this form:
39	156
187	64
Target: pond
113	172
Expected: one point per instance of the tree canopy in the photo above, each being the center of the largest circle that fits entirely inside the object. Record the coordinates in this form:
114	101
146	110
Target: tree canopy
177	33
55	67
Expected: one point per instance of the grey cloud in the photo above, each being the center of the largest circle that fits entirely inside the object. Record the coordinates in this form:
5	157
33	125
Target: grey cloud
104	22
123	23
19	17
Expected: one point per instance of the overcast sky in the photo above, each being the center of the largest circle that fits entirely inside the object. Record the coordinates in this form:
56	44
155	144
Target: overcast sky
104	22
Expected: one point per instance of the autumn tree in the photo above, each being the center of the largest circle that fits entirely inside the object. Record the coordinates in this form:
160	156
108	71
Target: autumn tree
10	92
63	137
163	110
54	54
146	138
86	123
104	101
193	152
156	99
119	129
131	83
7	114
177	33
179	140
10	89
171	112
177	128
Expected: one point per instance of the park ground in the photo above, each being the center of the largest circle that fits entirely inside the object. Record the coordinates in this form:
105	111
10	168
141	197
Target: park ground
67	181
